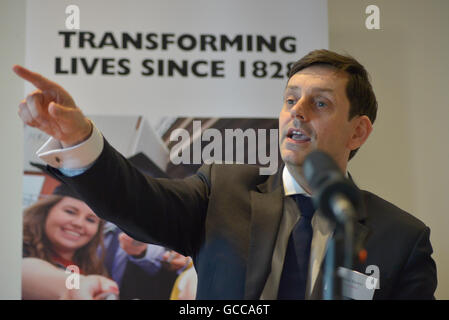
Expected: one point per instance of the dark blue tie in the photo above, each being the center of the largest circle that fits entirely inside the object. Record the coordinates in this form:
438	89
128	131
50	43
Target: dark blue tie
296	264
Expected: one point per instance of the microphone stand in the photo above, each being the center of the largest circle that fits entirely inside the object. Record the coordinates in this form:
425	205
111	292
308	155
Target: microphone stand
345	215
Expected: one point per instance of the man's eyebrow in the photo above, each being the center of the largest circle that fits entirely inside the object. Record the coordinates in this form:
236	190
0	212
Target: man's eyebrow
316	89
290	87
323	90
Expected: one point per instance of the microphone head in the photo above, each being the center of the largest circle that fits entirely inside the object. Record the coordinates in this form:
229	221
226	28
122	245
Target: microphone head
318	168
326	179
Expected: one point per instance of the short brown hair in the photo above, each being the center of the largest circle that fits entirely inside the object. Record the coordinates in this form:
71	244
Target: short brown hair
358	89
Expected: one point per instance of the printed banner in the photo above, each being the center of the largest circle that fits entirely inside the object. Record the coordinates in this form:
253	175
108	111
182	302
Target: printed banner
172	85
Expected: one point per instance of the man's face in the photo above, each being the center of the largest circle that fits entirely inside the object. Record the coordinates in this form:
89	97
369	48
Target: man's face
315	116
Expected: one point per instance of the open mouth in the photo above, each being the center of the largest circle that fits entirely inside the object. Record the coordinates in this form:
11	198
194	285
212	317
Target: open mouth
297	135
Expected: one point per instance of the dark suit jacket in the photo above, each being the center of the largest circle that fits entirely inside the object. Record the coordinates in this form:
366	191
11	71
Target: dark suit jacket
226	217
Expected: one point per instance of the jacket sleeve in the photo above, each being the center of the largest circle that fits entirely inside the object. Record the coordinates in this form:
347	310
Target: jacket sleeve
168	212
418	279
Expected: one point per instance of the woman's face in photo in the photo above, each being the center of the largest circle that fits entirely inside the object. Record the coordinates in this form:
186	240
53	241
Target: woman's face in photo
70	225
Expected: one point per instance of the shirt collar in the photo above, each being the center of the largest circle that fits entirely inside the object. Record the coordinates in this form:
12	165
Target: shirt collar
291	187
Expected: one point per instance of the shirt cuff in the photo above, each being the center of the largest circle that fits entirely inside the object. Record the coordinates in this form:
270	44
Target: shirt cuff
80	156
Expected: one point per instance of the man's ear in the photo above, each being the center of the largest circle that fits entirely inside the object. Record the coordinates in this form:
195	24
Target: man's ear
362	130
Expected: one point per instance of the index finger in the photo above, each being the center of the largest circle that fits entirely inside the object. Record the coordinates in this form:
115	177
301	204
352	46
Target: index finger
36	79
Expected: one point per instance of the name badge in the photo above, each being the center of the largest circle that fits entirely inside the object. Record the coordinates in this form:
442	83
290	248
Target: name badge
355	285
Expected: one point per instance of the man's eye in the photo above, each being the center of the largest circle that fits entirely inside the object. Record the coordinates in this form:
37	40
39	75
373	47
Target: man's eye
69	211
321	104
290	102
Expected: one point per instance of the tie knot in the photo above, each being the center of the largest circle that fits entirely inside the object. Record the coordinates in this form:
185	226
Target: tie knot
305	205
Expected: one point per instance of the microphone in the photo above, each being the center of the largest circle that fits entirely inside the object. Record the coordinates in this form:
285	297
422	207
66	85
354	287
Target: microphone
338	198
336	195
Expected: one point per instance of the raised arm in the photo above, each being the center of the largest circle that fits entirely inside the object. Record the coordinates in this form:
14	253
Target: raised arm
161	211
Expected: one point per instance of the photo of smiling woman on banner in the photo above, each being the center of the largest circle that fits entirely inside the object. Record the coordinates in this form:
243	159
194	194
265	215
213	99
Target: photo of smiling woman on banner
59	232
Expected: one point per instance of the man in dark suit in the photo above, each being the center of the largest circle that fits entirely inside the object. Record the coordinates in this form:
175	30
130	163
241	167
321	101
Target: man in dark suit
251	236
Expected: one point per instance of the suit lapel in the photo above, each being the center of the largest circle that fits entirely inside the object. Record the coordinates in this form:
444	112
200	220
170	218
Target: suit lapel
266	212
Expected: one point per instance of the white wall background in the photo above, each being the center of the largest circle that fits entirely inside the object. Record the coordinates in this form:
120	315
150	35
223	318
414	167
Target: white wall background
12	44
404	161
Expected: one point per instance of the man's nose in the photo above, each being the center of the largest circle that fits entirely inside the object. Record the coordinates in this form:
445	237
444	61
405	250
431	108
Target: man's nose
299	110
